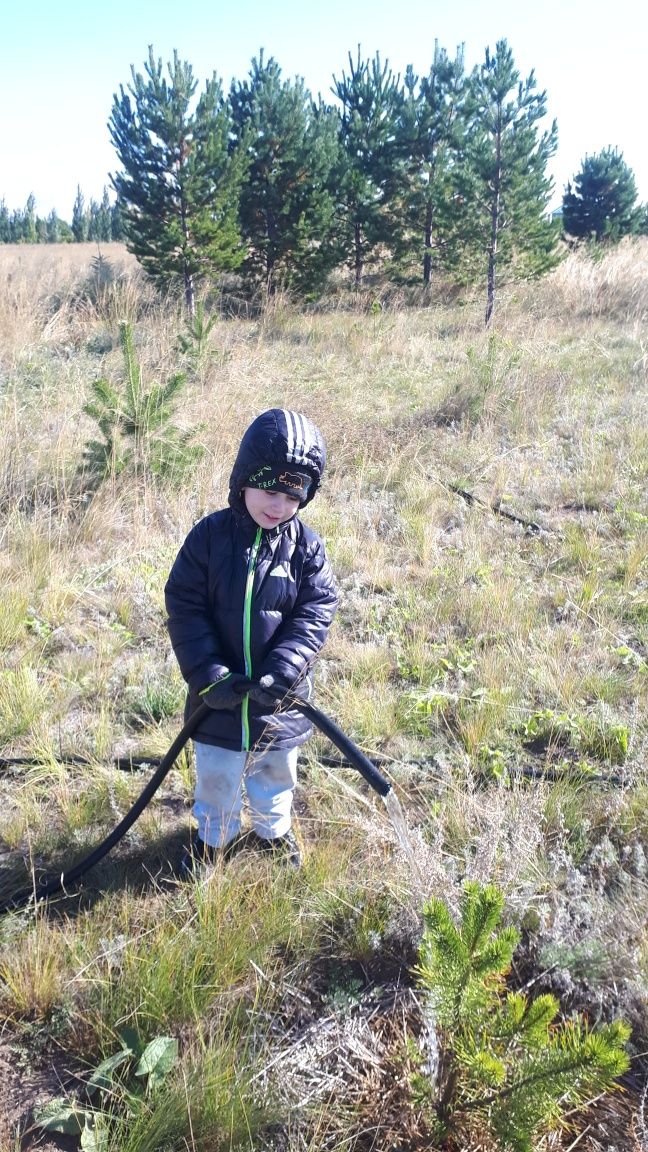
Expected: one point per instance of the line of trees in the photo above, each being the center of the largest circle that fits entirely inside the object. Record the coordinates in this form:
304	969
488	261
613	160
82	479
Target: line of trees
440	173
446	171
98	220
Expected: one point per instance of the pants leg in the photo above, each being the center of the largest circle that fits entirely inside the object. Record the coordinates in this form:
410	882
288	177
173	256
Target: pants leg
218	798
270	780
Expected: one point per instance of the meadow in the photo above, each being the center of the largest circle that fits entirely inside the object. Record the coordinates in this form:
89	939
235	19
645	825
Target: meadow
485	509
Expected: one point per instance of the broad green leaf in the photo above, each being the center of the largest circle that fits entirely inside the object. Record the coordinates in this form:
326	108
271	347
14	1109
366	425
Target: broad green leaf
102	1077
130	1039
94	1137
158	1057
61	1115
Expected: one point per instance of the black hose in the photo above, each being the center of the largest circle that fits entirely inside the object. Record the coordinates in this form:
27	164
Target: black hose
353	754
50	886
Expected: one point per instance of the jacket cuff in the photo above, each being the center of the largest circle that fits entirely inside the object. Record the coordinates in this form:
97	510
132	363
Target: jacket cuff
203	680
204	691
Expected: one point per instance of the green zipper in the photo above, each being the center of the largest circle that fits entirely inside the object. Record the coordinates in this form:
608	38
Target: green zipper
247	631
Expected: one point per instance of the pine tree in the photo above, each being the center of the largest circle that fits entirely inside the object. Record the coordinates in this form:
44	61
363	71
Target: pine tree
179	188
5	225
139	436
504	197
80	218
100	219
16	227
288	202
430	132
603	202
117	221
53	228
105	218
66	235
500	1057
30	233
371	99
93	221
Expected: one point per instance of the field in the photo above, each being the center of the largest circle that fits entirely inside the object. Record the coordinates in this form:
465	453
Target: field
486	513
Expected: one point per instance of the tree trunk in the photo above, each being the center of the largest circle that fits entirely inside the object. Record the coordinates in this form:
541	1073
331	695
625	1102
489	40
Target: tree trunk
495	215
359	263
427	255
271	252
190	293
490	289
189	286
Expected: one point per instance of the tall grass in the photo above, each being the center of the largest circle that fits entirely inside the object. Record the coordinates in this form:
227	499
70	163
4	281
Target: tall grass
497	667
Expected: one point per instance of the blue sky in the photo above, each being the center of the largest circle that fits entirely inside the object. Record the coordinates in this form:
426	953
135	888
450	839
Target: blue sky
60	65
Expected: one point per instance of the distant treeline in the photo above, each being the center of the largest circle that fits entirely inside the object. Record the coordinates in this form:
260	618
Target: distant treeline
99	220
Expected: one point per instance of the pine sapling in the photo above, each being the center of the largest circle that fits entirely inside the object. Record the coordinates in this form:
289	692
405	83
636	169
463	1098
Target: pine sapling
136	424
502	1058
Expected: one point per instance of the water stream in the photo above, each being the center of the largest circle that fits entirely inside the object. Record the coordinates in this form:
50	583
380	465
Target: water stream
399	824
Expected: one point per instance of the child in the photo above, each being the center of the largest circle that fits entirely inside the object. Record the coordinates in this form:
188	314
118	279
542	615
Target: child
251	595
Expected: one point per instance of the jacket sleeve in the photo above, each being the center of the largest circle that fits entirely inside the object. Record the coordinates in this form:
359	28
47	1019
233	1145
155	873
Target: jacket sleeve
298	640
192	629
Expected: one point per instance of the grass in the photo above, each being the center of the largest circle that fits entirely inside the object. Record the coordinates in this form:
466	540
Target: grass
498	674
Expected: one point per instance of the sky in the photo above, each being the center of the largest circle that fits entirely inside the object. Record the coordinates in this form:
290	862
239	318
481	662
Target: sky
60	65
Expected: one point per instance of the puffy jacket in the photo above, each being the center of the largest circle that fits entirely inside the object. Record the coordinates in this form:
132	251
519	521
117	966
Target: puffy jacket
240	598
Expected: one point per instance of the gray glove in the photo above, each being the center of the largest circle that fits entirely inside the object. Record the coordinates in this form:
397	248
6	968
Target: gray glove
225	693
260	694
270	694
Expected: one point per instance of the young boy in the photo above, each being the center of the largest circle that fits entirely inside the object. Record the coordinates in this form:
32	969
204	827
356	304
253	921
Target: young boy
251	597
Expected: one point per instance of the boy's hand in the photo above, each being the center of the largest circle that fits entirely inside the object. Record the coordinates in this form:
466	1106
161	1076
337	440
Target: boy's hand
225	693
260	694
269	693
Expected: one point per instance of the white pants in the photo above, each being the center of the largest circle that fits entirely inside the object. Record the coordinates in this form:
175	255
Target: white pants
269	778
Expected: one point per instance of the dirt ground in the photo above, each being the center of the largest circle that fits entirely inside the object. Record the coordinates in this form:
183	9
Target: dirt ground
21	1089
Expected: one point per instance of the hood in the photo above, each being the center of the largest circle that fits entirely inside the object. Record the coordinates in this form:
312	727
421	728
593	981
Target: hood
278	437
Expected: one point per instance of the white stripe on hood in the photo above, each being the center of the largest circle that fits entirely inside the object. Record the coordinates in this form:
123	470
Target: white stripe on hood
299	435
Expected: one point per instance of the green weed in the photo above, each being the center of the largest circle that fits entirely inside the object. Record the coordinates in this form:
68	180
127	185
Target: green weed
155	700
126	1082
22	700
593	735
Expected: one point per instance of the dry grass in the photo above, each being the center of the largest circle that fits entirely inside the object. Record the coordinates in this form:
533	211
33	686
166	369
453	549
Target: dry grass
456	628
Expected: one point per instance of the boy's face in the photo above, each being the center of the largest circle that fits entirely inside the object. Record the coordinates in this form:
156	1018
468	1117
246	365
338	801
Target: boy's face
267	508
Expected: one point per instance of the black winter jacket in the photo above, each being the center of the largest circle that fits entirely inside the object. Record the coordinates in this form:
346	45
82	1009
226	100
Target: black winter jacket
244	599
